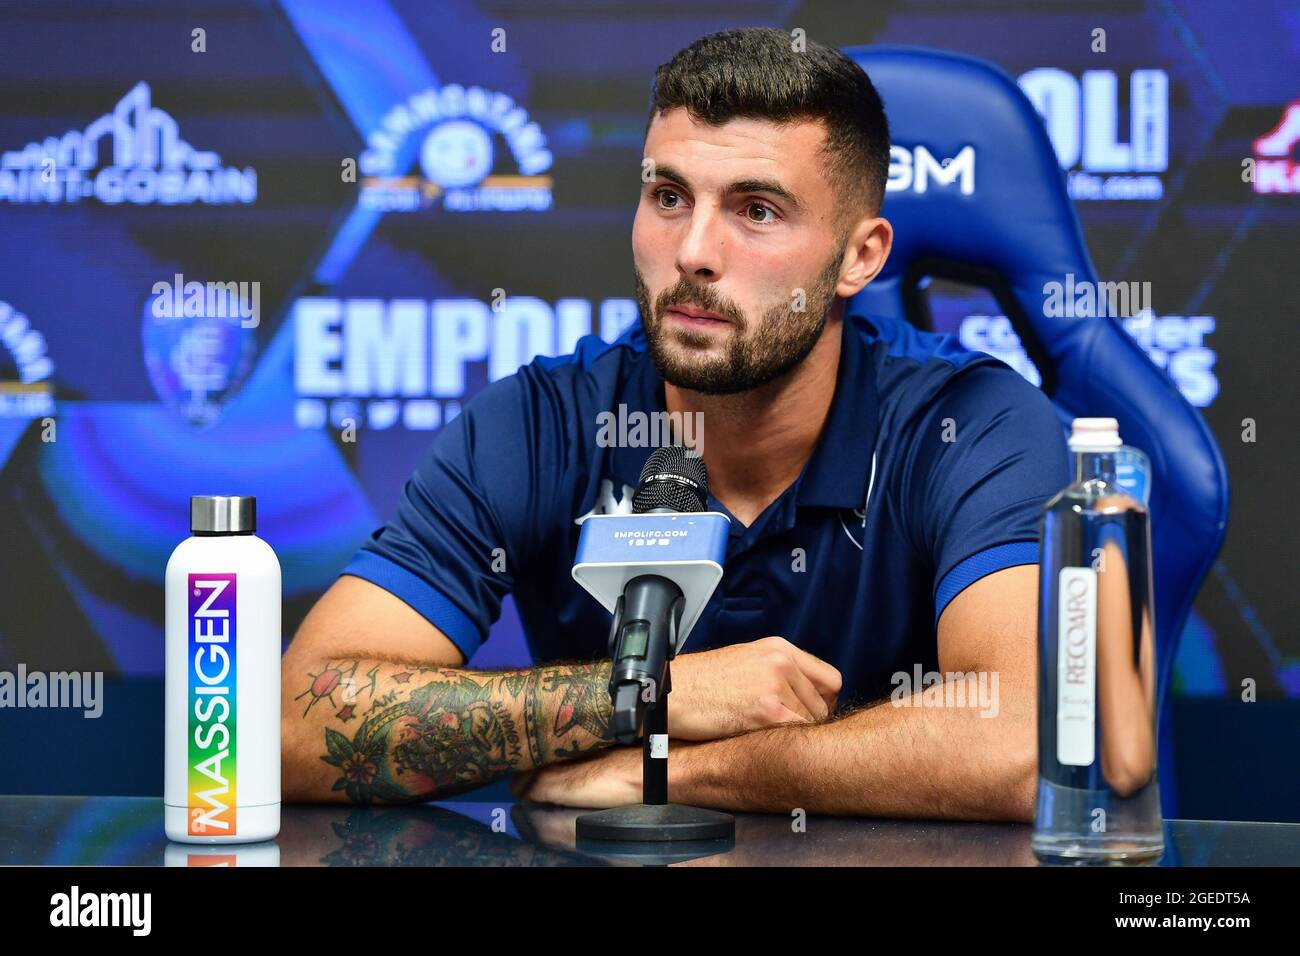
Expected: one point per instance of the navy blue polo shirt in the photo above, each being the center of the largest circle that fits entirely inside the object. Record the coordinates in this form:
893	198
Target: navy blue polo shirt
931	472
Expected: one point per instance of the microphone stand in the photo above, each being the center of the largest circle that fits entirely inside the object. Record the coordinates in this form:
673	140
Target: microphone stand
654	819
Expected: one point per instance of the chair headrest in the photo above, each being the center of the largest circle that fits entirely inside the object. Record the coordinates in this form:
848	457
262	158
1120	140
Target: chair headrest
973	175
998	214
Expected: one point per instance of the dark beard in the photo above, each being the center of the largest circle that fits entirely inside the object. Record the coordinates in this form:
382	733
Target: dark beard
783	340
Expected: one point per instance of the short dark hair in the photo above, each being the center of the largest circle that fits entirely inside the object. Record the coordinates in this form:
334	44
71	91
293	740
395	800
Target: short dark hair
757	74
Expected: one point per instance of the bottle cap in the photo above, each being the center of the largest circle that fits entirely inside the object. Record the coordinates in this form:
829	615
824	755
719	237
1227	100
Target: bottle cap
1094	434
223	514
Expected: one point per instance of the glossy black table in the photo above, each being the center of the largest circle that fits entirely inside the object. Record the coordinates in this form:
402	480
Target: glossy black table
128	831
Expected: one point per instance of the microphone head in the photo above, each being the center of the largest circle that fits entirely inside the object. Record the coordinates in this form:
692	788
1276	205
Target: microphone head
672	480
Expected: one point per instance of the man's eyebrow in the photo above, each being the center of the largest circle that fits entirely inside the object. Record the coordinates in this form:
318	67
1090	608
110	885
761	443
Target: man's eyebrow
741	186
763	186
668	172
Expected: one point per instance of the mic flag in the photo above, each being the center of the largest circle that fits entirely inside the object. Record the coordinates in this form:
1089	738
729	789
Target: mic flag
688	547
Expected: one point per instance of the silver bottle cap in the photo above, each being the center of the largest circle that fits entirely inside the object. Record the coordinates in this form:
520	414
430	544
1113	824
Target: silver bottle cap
223	514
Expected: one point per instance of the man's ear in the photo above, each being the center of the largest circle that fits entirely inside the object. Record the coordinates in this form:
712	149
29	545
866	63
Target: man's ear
868	246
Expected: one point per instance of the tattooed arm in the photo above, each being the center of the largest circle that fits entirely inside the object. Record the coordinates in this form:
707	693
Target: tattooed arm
375	707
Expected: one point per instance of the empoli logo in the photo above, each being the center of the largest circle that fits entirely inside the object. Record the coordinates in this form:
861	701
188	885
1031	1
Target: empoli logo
1083	118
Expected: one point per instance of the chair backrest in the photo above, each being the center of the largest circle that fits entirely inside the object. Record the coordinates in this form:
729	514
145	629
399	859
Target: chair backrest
997	214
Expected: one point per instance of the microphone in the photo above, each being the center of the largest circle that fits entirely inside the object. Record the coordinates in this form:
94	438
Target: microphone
655	569
643	637
672	481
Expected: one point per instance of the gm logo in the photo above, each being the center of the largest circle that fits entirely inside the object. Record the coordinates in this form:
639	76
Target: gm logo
917	169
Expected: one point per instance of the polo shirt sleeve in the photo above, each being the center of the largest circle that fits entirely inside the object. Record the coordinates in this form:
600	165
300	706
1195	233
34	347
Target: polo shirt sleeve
984	456
472	514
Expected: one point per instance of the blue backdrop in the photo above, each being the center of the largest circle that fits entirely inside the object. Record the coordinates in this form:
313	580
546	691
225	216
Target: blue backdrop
396	202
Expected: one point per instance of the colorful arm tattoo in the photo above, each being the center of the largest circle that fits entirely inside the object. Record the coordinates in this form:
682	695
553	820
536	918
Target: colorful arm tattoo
430	732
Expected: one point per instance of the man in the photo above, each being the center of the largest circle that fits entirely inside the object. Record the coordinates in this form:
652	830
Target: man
883	487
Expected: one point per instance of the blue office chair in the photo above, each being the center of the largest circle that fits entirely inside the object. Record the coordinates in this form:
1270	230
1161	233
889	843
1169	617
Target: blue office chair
999	217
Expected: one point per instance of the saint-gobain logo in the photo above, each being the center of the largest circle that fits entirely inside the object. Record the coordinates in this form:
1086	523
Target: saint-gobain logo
150	164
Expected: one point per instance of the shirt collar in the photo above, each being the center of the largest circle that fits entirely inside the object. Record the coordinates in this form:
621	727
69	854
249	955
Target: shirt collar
837	475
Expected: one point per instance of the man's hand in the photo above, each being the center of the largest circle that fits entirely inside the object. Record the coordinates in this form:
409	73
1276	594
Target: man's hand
611	778
714	694
746	687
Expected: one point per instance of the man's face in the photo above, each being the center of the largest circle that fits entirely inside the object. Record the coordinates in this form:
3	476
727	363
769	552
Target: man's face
735	248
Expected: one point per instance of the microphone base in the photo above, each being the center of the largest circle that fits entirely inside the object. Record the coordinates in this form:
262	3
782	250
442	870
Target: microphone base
656	823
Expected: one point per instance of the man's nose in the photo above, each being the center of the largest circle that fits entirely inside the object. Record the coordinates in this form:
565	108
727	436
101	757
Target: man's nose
699	254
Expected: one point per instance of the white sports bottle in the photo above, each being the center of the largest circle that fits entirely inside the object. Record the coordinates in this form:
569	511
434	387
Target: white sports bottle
221	780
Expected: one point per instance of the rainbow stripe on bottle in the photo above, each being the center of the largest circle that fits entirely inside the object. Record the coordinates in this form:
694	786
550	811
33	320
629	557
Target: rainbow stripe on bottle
211	704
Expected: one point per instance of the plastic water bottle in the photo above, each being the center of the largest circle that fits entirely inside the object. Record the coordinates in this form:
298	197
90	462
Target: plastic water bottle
221	780
1098	795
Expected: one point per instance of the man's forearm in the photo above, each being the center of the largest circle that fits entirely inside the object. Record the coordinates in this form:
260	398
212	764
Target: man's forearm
371	730
883	760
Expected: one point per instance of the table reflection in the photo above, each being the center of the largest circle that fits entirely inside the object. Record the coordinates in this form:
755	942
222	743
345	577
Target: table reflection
128	831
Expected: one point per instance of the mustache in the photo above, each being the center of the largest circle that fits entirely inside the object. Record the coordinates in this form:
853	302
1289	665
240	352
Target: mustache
684	293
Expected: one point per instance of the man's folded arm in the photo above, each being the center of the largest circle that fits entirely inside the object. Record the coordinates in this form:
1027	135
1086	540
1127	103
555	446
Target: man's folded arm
376	707
920	756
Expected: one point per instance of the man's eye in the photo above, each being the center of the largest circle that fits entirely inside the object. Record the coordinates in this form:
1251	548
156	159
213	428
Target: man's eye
662	193
766	214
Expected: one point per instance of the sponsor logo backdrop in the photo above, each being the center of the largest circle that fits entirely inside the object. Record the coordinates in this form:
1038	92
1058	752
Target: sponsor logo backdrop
362	211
